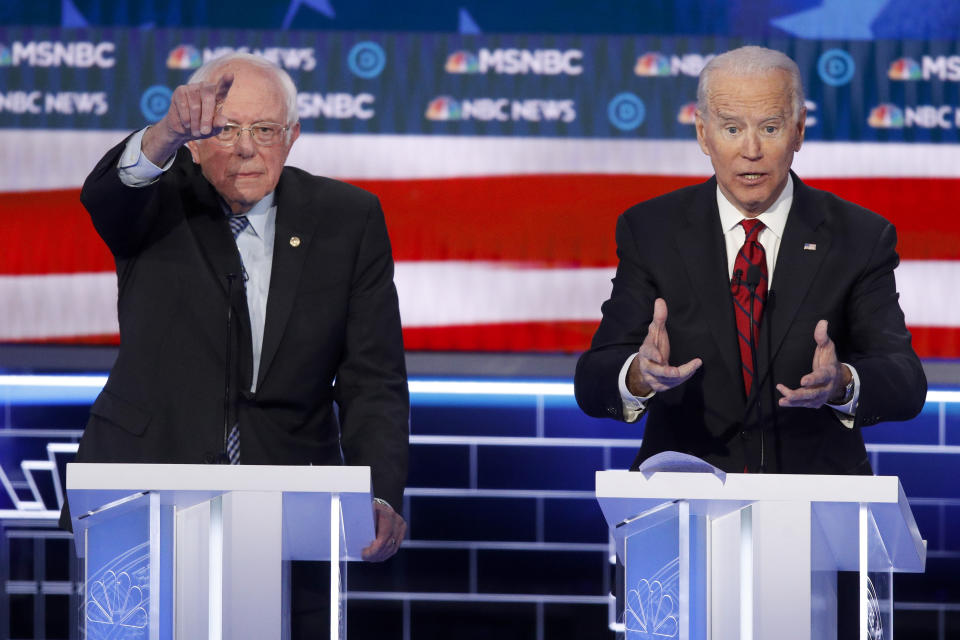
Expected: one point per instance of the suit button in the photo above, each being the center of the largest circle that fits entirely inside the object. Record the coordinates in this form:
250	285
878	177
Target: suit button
209	458
745	435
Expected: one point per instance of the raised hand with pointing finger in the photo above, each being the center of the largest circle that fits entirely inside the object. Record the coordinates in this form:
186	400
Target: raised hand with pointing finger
194	114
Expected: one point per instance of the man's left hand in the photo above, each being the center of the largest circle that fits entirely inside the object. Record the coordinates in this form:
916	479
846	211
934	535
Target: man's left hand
827	380
390	527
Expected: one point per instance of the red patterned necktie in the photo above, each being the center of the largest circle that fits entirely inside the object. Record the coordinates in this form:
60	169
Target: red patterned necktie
750	254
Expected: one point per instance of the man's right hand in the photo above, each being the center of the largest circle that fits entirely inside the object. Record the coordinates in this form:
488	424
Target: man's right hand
194	114
651	370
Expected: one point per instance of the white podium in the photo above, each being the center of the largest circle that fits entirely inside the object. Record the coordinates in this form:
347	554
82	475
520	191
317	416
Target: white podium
201	551
755	557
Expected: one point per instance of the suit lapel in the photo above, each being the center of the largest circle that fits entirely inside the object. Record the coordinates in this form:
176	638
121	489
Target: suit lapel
805	243
204	214
295	225
700	241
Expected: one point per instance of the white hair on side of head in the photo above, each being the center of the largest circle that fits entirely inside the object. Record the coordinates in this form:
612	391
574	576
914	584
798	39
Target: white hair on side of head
209	69
751	61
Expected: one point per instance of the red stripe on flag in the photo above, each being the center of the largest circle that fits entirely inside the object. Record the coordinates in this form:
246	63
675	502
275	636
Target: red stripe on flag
544	337
547	220
522	336
49	232
922	209
936	342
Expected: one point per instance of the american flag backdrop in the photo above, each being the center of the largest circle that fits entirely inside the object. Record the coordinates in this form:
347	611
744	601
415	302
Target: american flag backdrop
501	216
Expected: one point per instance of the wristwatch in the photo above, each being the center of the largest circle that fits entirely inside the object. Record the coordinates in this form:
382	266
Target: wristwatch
847	394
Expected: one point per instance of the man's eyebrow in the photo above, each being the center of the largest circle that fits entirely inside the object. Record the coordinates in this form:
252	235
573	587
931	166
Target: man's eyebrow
726	116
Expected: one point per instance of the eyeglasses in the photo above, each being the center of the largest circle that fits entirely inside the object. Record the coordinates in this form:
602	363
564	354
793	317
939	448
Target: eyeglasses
263	133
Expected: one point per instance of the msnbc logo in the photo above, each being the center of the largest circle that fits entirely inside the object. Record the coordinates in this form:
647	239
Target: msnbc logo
886	116
5	58
184	57
550	62
462	62
443	108
905	69
652	64
687	113
657	65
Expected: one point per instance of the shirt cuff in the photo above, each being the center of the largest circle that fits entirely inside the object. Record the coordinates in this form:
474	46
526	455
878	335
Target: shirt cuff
848	411
633	406
135	168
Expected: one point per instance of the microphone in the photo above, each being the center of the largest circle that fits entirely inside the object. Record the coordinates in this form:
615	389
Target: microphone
737	275
222	457
753	280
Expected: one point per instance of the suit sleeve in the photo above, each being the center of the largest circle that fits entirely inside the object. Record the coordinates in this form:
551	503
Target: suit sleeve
371	386
893	385
122	215
626	316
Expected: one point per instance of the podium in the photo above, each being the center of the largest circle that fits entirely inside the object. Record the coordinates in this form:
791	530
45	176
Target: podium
201	551
749	556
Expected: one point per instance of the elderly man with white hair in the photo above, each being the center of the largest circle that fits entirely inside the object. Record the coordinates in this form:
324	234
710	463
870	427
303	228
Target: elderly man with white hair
754	320
238	273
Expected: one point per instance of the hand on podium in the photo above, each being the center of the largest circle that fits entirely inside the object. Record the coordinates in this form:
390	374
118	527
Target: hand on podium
390	529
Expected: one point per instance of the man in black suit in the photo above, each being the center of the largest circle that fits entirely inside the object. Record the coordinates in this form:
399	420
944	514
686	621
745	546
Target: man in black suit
237	272
827	340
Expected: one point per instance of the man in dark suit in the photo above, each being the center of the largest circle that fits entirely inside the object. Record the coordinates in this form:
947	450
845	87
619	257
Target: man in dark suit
238	273
826	336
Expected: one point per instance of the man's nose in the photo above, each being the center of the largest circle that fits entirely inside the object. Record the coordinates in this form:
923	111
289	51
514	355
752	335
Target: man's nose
752	148
245	146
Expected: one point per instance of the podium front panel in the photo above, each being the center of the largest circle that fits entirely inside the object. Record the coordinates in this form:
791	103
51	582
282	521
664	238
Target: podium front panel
124	571
665	574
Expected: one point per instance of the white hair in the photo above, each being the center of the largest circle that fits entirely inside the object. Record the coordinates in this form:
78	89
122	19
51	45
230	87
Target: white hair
750	61
209	69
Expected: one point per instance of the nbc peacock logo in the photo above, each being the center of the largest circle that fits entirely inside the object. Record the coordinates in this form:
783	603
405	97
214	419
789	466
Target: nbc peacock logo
462	62
886	116
5	58
444	108
905	69
184	56
687	113
652	64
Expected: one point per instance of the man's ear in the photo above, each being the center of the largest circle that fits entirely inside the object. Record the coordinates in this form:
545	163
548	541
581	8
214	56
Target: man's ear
801	127
701	132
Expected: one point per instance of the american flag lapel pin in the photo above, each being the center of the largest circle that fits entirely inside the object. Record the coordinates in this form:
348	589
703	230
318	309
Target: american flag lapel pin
809	246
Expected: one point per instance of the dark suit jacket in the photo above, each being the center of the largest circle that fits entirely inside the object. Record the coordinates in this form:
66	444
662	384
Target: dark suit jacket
332	334
672	247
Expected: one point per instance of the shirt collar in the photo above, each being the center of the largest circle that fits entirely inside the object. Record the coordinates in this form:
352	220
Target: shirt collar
774	218
260	213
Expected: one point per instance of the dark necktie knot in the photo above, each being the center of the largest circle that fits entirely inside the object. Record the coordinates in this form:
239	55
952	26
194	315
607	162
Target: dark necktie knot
237	224
752	229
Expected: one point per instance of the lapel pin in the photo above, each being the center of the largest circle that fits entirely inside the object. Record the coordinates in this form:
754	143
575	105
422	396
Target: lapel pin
807	246
294	241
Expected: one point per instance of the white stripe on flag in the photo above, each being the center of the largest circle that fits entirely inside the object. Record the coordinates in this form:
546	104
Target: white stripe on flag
432	294
58	306
51	159
928	292
436	294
